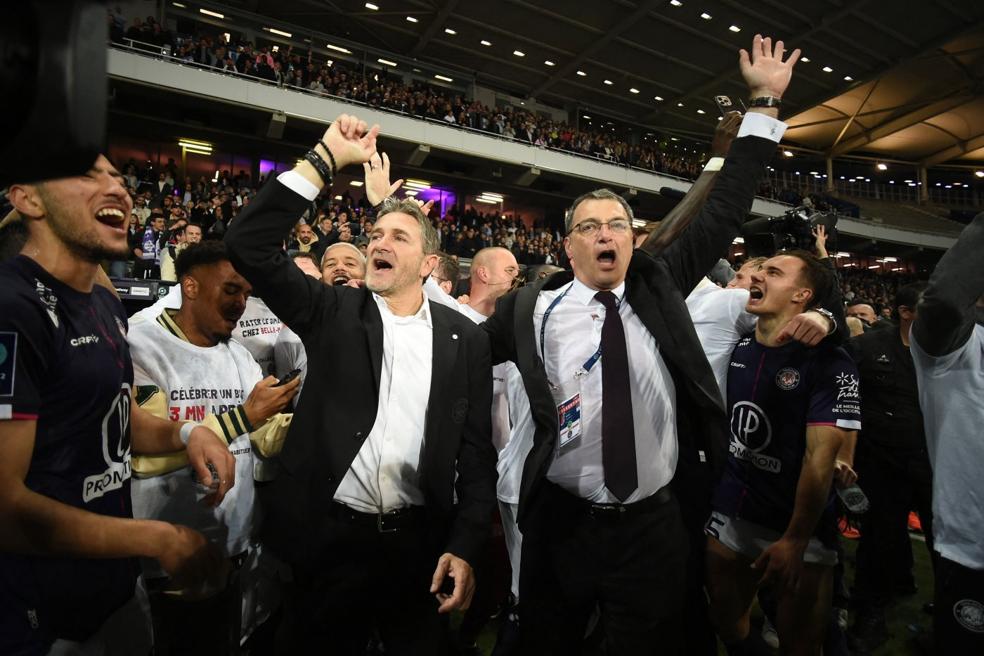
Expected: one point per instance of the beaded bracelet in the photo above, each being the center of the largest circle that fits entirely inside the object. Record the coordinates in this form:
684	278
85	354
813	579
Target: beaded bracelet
314	159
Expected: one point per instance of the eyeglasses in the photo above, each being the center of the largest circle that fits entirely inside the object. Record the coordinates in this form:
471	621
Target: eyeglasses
591	227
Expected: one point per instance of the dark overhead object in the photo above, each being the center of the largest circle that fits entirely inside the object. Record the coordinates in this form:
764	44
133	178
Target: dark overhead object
528	177
53	82
419	154
278	121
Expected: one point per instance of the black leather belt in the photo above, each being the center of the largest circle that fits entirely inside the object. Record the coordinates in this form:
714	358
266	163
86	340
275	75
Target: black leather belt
617	511
388	522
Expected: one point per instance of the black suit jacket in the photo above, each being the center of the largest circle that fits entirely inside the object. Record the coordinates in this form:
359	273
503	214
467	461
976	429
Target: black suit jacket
342	331
656	288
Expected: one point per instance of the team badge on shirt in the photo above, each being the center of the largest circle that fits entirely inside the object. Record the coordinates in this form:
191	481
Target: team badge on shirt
787	378
969	613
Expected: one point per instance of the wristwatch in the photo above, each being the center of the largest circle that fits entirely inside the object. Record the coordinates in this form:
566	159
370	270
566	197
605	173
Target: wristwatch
765	101
827	314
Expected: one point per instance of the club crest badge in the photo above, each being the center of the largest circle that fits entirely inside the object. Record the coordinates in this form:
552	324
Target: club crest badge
787	379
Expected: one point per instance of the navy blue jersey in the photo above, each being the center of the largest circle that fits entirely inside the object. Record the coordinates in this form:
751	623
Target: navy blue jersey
774	393
64	362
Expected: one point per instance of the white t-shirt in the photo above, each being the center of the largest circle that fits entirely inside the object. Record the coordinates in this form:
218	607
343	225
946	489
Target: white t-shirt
289	354
720	320
951	395
257	329
196	381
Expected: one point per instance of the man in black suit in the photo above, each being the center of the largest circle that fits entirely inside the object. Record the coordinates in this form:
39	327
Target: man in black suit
629	428
364	506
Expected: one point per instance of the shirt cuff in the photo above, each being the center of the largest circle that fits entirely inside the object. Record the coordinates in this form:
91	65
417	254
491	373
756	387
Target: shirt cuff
760	125
300	186
714	164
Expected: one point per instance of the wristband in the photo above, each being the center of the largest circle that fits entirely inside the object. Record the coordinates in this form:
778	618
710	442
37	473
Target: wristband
765	101
185	433
314	159
714	164
331	158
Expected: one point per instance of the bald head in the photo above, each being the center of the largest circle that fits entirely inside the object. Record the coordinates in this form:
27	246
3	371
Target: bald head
493	272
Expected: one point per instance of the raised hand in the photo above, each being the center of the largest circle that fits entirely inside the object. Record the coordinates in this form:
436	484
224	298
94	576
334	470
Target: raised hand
724	134
377	171
764	70
350	140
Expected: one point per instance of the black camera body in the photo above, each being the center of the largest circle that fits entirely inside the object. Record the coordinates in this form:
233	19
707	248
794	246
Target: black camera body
766	236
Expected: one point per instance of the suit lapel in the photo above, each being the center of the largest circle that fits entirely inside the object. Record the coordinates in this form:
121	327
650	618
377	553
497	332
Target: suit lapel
445	354
373	322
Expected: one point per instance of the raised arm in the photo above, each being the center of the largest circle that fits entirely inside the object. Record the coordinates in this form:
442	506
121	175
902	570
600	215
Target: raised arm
679	218
719	220
946	313
255	238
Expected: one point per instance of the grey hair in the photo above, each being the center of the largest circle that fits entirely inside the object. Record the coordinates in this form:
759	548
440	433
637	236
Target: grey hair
409	206
597	194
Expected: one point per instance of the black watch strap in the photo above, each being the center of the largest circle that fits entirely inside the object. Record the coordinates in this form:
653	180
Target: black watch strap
765	101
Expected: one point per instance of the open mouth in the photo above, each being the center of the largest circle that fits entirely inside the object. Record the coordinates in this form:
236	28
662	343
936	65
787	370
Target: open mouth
380	264
606	257
340	279
755	293
114	217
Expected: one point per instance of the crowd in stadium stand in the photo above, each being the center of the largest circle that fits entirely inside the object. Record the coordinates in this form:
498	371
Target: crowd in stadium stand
213	204
289	67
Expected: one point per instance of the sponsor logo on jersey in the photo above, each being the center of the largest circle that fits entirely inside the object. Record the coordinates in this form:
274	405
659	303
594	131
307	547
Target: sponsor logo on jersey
882	358
788	378
752	433
115	449
738	365
969	614
847	386
83	340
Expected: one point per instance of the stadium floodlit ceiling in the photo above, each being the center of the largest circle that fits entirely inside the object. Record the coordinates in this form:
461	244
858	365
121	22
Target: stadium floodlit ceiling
900	79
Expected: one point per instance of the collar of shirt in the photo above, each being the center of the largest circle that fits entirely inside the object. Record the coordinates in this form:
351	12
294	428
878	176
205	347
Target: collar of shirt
585	295
422	315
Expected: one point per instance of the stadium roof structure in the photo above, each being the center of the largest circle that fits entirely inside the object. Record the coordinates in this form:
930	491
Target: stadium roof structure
895	79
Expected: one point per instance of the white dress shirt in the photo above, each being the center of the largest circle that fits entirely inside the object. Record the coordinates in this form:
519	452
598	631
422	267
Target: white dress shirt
385	473
573	334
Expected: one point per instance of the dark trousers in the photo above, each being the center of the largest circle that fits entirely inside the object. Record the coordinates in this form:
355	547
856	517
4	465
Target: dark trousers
958	624
209	627
896	482
365	580
632	566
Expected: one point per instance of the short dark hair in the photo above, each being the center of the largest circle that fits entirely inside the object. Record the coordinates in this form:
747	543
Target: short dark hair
860	301
201	254
815	275
447	267
909	296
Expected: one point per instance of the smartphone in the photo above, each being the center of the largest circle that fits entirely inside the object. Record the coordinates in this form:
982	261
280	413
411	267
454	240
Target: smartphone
725	105
289	377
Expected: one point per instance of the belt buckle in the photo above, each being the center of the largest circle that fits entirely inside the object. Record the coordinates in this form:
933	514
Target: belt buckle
381	522
606	511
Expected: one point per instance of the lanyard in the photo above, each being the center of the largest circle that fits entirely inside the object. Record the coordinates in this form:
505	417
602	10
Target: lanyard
590	362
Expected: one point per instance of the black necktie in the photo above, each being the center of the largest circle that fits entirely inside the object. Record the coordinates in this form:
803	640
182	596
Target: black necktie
617	430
